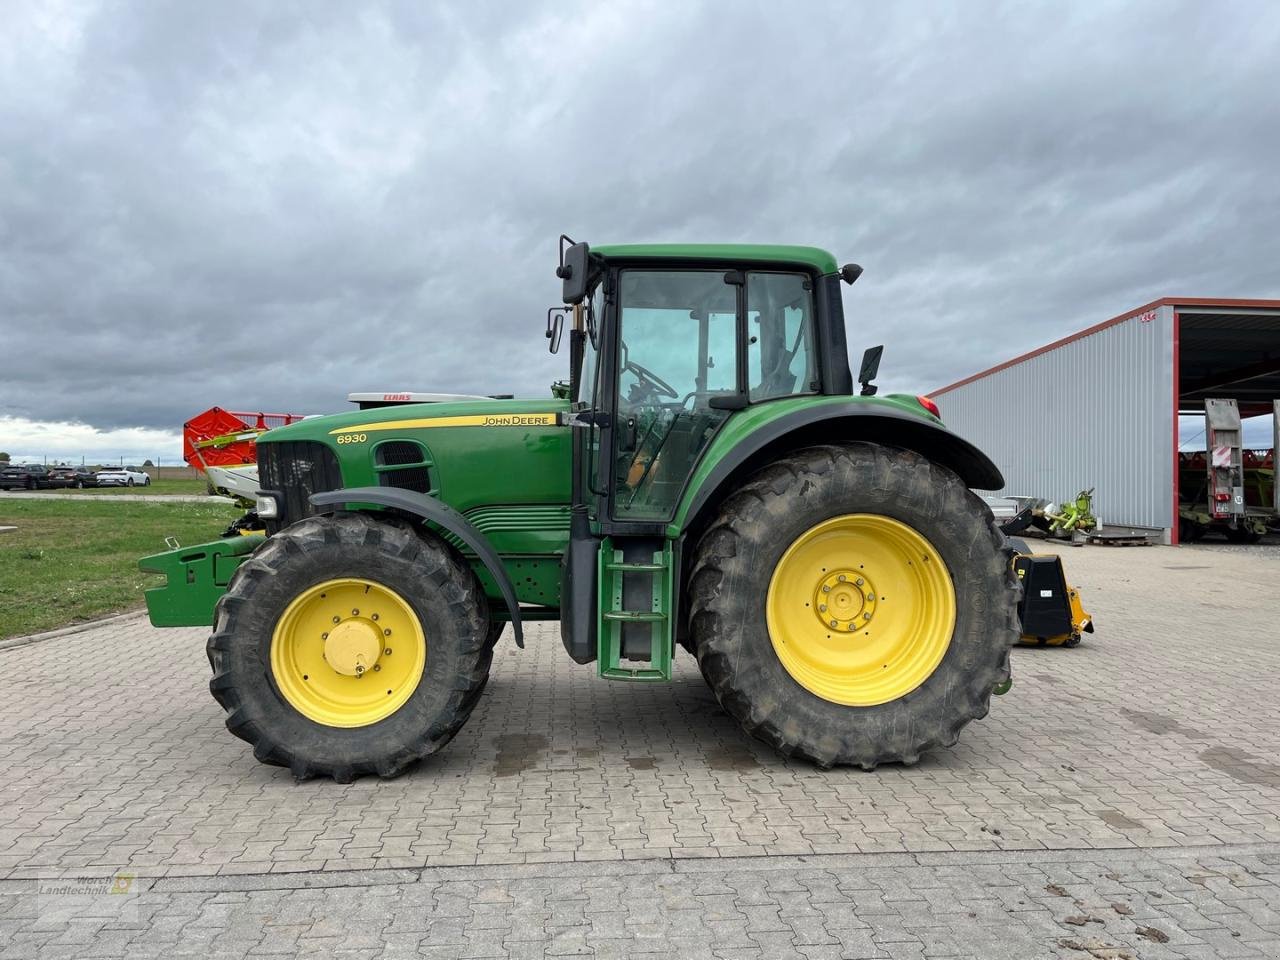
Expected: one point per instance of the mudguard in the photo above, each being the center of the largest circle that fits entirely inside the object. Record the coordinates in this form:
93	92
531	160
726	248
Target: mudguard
429	508
835	423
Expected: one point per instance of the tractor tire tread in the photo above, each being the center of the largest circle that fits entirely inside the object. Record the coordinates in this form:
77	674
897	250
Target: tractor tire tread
238	618
727	547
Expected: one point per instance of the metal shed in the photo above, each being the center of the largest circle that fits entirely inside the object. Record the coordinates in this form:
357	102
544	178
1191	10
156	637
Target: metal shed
1100	408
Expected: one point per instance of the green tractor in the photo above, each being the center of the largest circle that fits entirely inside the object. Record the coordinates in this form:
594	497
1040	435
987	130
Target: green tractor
707	478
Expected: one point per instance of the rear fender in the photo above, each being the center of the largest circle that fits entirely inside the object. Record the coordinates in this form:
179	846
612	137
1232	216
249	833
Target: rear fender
832	423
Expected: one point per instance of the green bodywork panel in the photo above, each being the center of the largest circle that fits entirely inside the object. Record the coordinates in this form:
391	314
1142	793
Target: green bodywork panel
812	257
475	465
195	577
507	475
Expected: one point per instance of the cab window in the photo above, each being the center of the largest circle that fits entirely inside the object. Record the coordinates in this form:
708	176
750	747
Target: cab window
780	352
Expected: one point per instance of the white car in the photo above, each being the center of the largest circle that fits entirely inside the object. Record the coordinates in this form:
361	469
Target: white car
122	477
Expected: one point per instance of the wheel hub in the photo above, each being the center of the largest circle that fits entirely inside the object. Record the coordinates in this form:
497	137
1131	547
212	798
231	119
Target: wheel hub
353	647
348	652
860	609
844	600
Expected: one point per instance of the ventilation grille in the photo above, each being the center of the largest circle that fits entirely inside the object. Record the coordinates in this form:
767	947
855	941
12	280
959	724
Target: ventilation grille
399	452
403	464
296	469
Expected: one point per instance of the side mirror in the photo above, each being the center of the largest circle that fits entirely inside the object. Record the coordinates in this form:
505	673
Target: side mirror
555	328
870	369
850	272
573	270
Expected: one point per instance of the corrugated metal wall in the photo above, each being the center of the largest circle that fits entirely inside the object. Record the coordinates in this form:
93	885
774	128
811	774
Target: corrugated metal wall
1095	412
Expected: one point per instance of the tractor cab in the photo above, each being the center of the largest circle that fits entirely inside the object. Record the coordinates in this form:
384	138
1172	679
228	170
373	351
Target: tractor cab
668	343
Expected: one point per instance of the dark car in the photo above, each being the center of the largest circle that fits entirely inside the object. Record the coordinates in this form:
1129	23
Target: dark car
78	477
25	476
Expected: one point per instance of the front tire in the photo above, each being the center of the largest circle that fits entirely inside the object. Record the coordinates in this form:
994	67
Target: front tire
880	539
295	677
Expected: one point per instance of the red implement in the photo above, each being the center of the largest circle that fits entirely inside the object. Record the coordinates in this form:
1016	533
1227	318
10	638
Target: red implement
223	438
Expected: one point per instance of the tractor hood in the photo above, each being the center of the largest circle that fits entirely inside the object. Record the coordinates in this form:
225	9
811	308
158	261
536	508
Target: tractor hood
420	416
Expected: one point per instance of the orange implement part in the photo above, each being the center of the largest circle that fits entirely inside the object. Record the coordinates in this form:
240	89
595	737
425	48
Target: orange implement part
224	438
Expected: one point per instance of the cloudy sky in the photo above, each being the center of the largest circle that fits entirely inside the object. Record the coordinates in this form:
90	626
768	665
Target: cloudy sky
268	205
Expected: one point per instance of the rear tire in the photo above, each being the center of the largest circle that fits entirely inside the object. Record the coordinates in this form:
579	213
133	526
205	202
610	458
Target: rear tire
756	530
431	579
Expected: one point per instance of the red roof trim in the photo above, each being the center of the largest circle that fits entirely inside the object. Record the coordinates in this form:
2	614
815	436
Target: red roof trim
1174	302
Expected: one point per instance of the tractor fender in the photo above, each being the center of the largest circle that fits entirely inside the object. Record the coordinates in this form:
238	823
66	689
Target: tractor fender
429	508
836	423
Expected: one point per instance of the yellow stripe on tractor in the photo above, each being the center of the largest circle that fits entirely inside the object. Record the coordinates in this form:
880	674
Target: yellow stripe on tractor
473	420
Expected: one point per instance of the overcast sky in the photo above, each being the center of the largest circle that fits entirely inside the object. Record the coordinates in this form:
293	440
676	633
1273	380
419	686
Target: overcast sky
268	205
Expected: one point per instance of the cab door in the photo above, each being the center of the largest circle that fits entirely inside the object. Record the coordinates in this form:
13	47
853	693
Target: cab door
677	375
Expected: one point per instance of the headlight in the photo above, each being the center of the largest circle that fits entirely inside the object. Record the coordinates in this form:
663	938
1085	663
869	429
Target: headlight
267	508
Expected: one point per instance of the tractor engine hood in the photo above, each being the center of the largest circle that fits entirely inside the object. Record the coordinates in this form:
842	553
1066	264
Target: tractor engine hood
404	417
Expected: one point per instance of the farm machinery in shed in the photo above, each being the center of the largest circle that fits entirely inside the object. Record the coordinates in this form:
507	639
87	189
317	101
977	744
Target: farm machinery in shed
1227	487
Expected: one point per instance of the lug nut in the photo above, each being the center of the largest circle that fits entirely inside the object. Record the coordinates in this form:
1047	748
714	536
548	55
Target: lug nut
825	588
375	616
337	619
324	636
841	578
859	581
866	616
386	633
822	607
377	666
387	651
835	623
871	596
355	612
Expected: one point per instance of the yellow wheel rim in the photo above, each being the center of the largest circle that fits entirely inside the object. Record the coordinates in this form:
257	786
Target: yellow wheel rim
861	609
348	653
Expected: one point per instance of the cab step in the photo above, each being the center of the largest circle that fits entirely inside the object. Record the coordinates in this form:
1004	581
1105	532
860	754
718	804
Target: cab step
635	643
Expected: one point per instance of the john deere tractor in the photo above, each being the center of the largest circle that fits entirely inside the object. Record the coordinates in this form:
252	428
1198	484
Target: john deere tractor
708	478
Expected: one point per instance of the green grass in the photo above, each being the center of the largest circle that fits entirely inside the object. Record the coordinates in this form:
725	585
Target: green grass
70	561
159	488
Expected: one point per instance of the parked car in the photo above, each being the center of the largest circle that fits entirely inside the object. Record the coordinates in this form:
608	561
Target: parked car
24	476
122	477
78	477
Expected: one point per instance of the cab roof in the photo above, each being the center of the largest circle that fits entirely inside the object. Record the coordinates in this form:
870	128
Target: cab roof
812	257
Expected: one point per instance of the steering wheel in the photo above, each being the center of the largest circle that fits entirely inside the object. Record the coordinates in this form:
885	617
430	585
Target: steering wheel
656	385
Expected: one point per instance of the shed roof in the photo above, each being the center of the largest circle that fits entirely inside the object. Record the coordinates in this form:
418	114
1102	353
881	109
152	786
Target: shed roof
1221	338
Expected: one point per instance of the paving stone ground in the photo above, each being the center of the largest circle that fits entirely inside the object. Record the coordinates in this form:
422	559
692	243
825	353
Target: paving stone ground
577	815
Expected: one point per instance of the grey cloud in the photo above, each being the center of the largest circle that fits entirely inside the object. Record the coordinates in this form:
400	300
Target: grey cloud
265	206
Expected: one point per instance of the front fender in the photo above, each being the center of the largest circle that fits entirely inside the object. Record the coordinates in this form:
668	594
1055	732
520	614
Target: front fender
429	508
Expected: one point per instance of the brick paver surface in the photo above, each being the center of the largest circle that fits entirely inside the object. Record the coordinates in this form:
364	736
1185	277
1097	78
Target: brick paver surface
1142	769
